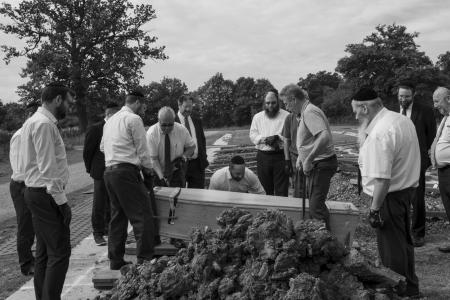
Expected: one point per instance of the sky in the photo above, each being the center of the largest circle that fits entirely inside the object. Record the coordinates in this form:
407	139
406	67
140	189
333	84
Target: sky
278	40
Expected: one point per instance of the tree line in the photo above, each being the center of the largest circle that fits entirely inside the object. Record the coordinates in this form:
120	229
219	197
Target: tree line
99	47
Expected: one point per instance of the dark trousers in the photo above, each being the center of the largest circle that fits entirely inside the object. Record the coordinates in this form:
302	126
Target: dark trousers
195	175
25	229
297	178
394	239
52	244
444	188
101	211
270	170
318	184
178	178
418	204
129	201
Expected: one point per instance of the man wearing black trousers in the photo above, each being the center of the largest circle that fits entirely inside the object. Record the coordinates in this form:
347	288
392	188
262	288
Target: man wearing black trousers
94	160
25	230
126	154
195	174
425	123
46	175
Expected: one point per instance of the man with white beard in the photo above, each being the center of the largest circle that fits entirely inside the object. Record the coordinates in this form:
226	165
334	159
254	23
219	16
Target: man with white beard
389	160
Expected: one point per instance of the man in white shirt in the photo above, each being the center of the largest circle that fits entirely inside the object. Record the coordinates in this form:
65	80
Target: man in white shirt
236	178
390	166
25	229
46	175
266	133
170	147
440	150
126	153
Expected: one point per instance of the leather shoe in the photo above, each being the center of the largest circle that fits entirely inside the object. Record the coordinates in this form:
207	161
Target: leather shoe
118	265
445	249
418	241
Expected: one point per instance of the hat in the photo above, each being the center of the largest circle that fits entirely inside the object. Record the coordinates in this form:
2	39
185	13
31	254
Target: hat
111	105
33	104
137	93
365	94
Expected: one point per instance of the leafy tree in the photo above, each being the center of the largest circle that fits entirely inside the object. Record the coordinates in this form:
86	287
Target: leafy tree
262	86
443	62
90	45
319	84
12	116
216	97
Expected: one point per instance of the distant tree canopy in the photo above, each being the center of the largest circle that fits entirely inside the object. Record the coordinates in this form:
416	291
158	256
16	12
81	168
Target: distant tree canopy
97	47
319	84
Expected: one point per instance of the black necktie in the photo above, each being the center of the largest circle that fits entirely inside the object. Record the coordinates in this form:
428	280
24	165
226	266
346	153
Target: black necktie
404	111
186	124
167	161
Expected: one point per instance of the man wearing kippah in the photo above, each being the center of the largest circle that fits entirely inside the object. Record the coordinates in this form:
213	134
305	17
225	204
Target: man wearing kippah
236	178
390	166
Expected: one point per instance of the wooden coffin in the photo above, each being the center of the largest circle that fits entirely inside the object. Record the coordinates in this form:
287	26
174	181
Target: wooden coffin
200	208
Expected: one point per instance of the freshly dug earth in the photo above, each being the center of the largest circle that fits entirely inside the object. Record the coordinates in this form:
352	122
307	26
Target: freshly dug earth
265	256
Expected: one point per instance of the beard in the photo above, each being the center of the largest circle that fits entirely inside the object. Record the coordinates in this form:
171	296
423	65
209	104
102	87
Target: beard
60	112
405	104
363	124
272	113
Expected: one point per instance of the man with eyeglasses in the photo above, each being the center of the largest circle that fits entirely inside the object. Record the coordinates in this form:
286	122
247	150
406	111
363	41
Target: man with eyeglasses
266	134
170	147
126	154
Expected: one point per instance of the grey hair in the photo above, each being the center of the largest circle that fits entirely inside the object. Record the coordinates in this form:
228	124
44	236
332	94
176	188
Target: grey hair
294	91
371	103
442	91
164	110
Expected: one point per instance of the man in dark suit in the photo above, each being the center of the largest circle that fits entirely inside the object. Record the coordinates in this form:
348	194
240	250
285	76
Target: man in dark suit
94	161
425	123
195	175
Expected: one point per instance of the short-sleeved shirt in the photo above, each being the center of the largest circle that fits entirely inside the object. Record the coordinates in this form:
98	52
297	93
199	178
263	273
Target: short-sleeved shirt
312	122
180	139
390	151
290	131
443	145
221	180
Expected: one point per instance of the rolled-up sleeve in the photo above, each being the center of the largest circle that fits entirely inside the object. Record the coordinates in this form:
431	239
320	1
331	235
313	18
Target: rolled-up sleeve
136	127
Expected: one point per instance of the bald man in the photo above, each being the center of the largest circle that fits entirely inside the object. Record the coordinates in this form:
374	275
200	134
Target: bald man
440	150
266	134
170	147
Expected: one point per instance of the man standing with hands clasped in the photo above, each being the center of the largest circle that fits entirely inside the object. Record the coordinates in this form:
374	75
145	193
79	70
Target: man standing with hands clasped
389	164
46	175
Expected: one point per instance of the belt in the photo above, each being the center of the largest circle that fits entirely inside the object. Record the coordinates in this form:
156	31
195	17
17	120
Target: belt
123	166
332	157
18	181
37	189
272	152
444	168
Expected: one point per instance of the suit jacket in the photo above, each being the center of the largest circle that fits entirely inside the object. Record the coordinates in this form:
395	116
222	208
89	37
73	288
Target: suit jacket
425	122
201	141
94	159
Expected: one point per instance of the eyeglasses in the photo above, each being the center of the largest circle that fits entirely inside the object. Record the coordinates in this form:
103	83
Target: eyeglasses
166	124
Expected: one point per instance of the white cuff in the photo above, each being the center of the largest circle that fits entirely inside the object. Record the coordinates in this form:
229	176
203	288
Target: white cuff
60	198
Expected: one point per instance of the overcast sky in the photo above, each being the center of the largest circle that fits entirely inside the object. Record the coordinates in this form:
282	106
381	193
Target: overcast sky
277	40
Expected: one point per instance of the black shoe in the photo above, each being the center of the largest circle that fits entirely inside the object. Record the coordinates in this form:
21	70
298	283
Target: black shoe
418	241
118	265
100	240
445	249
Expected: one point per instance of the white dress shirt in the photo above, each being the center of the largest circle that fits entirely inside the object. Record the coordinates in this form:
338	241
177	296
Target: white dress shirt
193	133
221	180
124	140
442	151
44	155
263	126
408	110
390	151
14	157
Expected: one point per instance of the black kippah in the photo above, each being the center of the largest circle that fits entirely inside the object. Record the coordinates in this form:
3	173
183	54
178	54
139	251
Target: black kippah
365	94
237	160
136	93
112	105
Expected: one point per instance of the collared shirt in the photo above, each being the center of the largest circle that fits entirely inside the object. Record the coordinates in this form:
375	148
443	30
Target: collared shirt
312	122
390	151
44	155
408	110
180	139
124	140
443	145
14	157
290	131
221	180
193	133
263	126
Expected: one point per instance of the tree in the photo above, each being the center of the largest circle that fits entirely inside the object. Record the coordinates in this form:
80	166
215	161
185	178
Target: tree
90	45
12	116
216	96
381	56
443	62
319	84
262	86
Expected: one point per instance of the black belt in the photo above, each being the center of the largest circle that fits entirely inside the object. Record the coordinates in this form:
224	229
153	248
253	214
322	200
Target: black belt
444	168
37	189
272	152
326	159
18	181
123	166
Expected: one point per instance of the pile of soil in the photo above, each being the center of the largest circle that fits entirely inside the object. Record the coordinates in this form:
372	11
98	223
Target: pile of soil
265	256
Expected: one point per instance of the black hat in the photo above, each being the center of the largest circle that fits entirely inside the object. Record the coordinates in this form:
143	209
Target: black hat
365	94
